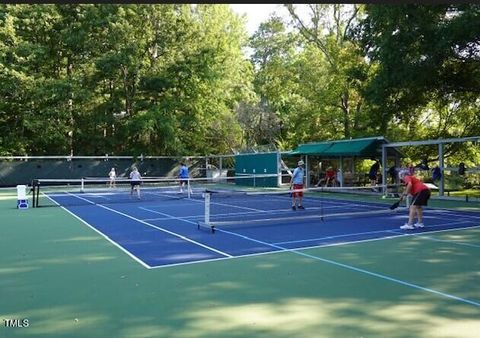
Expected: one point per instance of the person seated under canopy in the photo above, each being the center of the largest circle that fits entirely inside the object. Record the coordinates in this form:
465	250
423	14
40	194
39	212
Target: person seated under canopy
329	179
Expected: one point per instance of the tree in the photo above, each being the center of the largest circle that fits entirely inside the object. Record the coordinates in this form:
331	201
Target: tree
426	56
269	120
327	30
121	79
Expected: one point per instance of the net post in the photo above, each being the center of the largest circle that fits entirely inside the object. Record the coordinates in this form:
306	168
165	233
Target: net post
207	208
82	186
38	194
321	204
34	187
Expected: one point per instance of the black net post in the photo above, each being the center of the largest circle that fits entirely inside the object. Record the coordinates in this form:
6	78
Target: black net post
36	192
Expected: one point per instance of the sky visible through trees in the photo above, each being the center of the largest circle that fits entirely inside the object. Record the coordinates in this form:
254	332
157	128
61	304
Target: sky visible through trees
173	79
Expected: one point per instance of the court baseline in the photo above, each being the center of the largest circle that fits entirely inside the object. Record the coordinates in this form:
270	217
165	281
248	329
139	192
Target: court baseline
350	267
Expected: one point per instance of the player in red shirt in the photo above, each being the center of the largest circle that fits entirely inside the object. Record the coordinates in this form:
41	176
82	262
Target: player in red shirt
329	178
421	194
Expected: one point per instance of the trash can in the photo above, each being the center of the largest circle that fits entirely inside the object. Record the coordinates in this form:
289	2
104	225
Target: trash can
22	201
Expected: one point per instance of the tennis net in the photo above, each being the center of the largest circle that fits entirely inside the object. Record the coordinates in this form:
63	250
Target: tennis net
85	191
225	209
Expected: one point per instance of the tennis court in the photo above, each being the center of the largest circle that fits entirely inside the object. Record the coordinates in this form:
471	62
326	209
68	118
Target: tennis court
101	265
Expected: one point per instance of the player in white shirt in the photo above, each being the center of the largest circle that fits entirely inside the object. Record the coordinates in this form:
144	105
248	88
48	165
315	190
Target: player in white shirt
112	175
136	180
297	184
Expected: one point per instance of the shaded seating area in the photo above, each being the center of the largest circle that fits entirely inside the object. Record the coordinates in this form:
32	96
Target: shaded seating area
342	156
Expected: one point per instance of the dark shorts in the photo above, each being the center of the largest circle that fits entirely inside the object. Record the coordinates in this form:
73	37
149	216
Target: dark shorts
183	179
421	198
135	183
298	193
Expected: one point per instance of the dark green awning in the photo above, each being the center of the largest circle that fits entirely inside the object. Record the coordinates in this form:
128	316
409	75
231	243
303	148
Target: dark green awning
357	148
311	148
363	147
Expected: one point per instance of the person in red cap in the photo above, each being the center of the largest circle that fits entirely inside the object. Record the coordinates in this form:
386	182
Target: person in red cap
420	196
297	183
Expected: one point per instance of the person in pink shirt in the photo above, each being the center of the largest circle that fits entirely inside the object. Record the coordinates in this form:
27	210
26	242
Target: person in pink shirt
420	195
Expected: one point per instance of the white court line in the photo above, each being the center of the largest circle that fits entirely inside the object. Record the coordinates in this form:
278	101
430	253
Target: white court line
330	237
245	213
241	256
286	250
158	228
135	258
353	268
361	233
122	248
220	259
424	235
168	231
396	235
193	217
440	212
253	211
168	216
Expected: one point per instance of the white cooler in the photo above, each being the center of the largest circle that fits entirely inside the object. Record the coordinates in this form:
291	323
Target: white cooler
22	201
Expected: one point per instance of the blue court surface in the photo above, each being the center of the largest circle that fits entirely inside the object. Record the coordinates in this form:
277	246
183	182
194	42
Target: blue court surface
160	233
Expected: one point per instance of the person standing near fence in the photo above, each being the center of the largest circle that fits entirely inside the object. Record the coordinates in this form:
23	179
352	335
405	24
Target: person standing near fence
184	176
420	196
135	181
297	183
112	175
372	174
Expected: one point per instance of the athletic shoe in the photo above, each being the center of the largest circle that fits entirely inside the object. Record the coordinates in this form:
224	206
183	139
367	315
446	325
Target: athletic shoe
419	225
301	207
407	226
294	207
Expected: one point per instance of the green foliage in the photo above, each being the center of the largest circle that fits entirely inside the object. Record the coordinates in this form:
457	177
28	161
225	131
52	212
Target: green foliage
121	79
426	58
309	80
172	79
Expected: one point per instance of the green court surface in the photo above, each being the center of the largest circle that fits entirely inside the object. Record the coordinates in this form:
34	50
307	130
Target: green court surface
69	281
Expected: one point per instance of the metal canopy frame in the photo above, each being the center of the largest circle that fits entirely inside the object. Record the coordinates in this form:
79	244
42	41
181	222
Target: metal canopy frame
340	157
439	142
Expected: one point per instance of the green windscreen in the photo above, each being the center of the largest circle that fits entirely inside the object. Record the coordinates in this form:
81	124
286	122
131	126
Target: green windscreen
258	164
13	172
